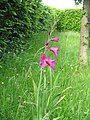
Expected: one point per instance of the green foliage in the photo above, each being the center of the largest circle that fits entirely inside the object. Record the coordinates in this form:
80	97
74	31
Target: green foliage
46	18
19	79
20	18
78	1
69	20
17	21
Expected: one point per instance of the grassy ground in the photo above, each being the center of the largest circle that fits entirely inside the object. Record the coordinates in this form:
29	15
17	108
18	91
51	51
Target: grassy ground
20	76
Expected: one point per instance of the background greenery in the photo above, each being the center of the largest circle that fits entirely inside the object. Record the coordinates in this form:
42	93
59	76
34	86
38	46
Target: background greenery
19	19
70	20
20	75
24	27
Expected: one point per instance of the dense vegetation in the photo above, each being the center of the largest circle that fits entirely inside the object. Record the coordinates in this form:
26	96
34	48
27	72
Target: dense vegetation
20	77
70	20
19	19
28	92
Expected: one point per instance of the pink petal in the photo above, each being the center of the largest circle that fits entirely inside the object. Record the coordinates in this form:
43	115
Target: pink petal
43	60
51	63
46	61
55	39
55	50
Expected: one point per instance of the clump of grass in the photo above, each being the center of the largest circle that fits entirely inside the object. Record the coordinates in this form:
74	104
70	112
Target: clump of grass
19	79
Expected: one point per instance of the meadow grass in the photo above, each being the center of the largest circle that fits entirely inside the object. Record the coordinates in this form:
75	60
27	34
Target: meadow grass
69	99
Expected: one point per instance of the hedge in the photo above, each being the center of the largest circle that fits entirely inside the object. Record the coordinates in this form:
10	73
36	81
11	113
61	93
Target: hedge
19	19
69	20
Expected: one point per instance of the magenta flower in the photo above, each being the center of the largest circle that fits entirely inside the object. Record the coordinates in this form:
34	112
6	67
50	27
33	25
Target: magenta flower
44	61
51	63
55	39
55	50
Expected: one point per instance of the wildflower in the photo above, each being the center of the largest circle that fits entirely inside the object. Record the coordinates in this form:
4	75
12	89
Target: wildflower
55	39
55	50
51	63
43	60
46	61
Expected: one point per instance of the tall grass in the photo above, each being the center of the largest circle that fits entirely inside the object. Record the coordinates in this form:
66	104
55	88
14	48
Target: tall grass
25	95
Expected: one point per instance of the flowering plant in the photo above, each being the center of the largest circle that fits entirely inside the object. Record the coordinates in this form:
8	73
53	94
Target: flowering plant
47	61
46	97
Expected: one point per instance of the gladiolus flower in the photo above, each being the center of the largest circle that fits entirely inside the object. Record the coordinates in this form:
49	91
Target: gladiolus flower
43	60
55	50
46	61
51	63
55	39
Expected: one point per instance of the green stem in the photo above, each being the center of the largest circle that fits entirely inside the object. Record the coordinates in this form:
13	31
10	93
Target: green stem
44	94
51	79
38	93
45	81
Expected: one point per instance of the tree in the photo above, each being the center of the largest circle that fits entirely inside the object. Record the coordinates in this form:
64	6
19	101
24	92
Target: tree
85	31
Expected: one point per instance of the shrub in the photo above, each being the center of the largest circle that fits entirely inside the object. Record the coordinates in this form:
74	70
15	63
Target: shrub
20	18
46	16
69	20
17	21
